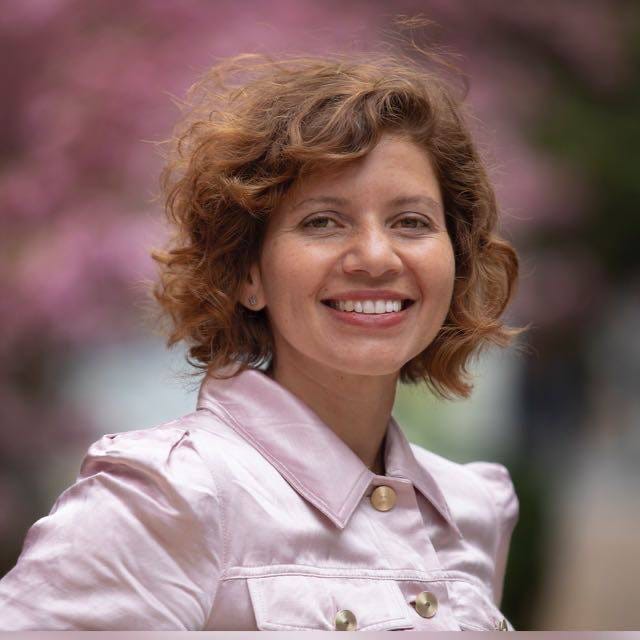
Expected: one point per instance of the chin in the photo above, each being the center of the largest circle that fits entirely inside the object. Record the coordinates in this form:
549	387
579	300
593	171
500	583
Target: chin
365	367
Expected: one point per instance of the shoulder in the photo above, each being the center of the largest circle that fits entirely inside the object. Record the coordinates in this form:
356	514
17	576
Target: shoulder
193	451
165	455
496	480
475	491
149	446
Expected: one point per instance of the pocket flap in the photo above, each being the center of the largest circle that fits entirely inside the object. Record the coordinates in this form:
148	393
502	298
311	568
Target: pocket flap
299	602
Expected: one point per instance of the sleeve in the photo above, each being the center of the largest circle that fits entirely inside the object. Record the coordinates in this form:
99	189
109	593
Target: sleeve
134	544
499	485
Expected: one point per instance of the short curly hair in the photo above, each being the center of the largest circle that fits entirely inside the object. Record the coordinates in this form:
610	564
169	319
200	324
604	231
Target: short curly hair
253	125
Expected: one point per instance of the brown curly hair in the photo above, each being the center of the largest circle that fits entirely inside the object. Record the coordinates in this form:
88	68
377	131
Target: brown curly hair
252	126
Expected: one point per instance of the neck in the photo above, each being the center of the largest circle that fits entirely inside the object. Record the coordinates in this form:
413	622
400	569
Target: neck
357	408
379	467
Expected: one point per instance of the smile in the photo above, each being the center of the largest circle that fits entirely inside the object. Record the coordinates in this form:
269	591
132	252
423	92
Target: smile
365	318
369	306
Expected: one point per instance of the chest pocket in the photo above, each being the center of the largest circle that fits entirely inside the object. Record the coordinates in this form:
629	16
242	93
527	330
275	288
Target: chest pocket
299	602
474	610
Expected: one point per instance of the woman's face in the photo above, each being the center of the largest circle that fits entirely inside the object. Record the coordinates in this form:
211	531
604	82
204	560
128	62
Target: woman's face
377	225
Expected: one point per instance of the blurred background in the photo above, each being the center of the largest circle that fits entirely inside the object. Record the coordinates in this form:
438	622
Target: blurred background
556	90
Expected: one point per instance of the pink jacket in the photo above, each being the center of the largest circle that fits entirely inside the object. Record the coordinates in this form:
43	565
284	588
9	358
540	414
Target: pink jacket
250	513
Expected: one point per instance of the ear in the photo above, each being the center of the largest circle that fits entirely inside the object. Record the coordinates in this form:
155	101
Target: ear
253	287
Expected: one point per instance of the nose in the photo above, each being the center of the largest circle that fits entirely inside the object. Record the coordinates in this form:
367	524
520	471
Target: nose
372	250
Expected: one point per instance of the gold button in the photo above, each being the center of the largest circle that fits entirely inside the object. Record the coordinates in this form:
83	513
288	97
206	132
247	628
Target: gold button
502	625
383	498
426	604
345	621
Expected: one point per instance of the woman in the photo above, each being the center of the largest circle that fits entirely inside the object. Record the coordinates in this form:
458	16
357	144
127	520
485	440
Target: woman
335	234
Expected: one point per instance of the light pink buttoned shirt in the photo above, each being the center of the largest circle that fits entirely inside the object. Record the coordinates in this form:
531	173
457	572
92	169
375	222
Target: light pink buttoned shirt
250	513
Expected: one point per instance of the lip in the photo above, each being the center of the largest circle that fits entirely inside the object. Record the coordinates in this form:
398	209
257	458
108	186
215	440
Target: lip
369	320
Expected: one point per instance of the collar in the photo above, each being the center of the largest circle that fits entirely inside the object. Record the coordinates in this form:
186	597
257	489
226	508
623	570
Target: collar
306	451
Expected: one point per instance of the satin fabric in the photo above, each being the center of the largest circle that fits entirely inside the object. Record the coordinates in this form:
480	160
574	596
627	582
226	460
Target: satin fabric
250	513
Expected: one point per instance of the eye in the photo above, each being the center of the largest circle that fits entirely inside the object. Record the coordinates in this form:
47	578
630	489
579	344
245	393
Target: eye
417	220
311	223
318	222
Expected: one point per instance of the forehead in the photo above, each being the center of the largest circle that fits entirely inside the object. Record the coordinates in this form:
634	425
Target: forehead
395	172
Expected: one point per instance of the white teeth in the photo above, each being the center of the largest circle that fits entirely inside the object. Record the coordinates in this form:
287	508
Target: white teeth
368	306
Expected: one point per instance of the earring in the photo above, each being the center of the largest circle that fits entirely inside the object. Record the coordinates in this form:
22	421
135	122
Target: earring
252	300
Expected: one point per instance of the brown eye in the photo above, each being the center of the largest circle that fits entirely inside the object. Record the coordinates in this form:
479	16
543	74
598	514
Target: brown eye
417	221
312	223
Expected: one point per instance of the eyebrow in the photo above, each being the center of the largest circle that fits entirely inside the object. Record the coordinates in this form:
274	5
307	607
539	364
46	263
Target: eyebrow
430	202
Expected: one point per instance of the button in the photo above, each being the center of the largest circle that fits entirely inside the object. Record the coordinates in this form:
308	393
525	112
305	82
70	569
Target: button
345	621
383	498
502	625
426	604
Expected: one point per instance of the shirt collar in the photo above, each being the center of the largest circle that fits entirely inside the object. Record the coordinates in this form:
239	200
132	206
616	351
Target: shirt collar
305	450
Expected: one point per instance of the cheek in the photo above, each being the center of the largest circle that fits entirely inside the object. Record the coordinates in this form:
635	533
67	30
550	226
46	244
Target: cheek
291	274
439	269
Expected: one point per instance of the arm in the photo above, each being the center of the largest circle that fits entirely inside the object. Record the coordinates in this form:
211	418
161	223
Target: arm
134	544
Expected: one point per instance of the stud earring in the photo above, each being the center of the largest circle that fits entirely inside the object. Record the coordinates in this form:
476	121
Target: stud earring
252	300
